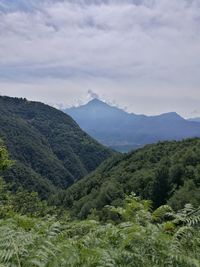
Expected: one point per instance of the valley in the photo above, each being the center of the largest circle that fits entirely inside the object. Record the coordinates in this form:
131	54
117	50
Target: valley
67	200
99	133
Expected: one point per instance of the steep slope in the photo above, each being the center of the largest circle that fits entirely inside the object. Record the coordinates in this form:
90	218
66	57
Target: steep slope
166	171
123	131
50	148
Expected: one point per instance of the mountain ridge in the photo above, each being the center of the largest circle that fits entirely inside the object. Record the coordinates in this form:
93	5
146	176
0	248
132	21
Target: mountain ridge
47	144
118	129
197	119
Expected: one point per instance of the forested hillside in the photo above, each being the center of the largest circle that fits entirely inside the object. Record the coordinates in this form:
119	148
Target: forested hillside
33	234
164	172
49	148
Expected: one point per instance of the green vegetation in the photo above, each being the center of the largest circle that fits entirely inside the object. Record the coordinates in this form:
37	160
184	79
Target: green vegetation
140	238
22	201
49	148
33	234
164	172
119	229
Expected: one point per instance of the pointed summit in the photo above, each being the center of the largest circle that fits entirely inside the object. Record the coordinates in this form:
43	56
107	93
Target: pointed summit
99	108
123	131
96	101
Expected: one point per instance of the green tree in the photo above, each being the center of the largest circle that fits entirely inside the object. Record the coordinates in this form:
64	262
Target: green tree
5	162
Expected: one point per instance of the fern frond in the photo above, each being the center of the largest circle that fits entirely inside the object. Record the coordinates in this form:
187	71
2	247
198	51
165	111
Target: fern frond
162	213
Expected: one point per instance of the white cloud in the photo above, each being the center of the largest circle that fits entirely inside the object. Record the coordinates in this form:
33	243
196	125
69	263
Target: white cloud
92	94
129	47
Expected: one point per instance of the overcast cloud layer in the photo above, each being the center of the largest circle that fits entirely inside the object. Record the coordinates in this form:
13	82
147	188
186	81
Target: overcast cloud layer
141	54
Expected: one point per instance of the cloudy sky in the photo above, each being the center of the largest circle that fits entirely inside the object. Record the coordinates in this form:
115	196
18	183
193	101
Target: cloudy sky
143	55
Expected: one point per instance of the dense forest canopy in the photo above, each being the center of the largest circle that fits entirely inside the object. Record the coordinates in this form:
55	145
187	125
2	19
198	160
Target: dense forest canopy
162	172
49	148
33	234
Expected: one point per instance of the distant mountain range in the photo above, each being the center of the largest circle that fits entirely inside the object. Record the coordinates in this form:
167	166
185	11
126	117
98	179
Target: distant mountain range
124	131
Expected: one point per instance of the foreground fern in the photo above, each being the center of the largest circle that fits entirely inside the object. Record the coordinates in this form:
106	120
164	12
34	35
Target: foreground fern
134	236
141	238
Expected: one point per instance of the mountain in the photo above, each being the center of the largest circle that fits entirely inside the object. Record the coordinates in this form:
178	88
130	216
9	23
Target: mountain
194	119
123	131
162	172
49	148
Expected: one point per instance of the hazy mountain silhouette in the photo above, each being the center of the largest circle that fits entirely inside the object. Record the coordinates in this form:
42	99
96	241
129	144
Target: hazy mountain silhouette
123	131
194	119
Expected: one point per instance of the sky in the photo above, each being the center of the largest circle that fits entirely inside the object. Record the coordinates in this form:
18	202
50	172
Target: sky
141	55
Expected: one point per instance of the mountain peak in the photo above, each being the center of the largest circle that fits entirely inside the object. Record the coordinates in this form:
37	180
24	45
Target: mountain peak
123	131
96	101
171	115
